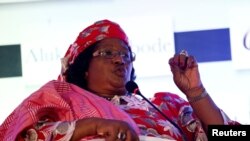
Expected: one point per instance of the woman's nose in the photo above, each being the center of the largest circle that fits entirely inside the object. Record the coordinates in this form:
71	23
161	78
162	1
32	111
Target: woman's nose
118	59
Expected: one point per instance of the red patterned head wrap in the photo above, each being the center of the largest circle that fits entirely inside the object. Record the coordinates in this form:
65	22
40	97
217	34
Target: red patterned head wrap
95	32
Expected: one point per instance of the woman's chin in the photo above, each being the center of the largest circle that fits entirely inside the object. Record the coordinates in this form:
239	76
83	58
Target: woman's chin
119	86
119	81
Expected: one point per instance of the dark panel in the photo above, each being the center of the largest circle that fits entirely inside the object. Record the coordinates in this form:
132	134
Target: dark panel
205	45
10	61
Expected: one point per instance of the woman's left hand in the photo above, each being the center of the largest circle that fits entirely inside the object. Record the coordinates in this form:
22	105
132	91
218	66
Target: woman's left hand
185	72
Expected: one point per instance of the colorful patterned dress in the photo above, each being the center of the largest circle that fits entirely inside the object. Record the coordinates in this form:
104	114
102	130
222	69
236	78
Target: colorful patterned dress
51	112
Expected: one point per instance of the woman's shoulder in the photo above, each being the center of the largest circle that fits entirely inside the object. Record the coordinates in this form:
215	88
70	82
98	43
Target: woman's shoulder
169	98
167	95
52	88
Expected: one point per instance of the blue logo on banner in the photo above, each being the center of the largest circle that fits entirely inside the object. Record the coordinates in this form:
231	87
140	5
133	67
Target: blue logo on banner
205	45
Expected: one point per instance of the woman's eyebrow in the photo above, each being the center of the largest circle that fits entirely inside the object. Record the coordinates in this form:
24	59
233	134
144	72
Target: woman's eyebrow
123	48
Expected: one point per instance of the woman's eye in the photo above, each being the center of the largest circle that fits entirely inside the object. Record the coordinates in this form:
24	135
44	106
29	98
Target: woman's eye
125	54
108	52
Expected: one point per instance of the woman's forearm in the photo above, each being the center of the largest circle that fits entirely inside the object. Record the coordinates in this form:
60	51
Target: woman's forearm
207	111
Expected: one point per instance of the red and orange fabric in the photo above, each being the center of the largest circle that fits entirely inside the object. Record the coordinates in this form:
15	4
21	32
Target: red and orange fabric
50	114
61	103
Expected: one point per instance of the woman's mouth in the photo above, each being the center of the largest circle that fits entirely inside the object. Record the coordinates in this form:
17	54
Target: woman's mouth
121	72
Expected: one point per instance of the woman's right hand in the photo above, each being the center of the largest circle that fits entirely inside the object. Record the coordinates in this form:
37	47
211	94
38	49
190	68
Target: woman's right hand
109	129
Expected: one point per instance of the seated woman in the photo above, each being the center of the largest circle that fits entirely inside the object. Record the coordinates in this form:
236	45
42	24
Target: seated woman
89	100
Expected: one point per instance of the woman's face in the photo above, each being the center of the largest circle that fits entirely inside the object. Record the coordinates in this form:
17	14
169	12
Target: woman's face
110	68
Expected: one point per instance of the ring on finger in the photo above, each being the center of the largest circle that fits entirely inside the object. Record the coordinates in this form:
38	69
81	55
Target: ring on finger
184	52
121	136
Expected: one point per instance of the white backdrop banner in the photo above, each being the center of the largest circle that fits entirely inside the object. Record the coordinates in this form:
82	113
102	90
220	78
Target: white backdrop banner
240	37
151	38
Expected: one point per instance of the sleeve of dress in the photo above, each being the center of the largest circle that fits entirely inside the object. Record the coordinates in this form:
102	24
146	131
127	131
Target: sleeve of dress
187	119
227	120
47	130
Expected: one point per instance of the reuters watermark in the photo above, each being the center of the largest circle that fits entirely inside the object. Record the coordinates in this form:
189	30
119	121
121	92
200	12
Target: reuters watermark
220	132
